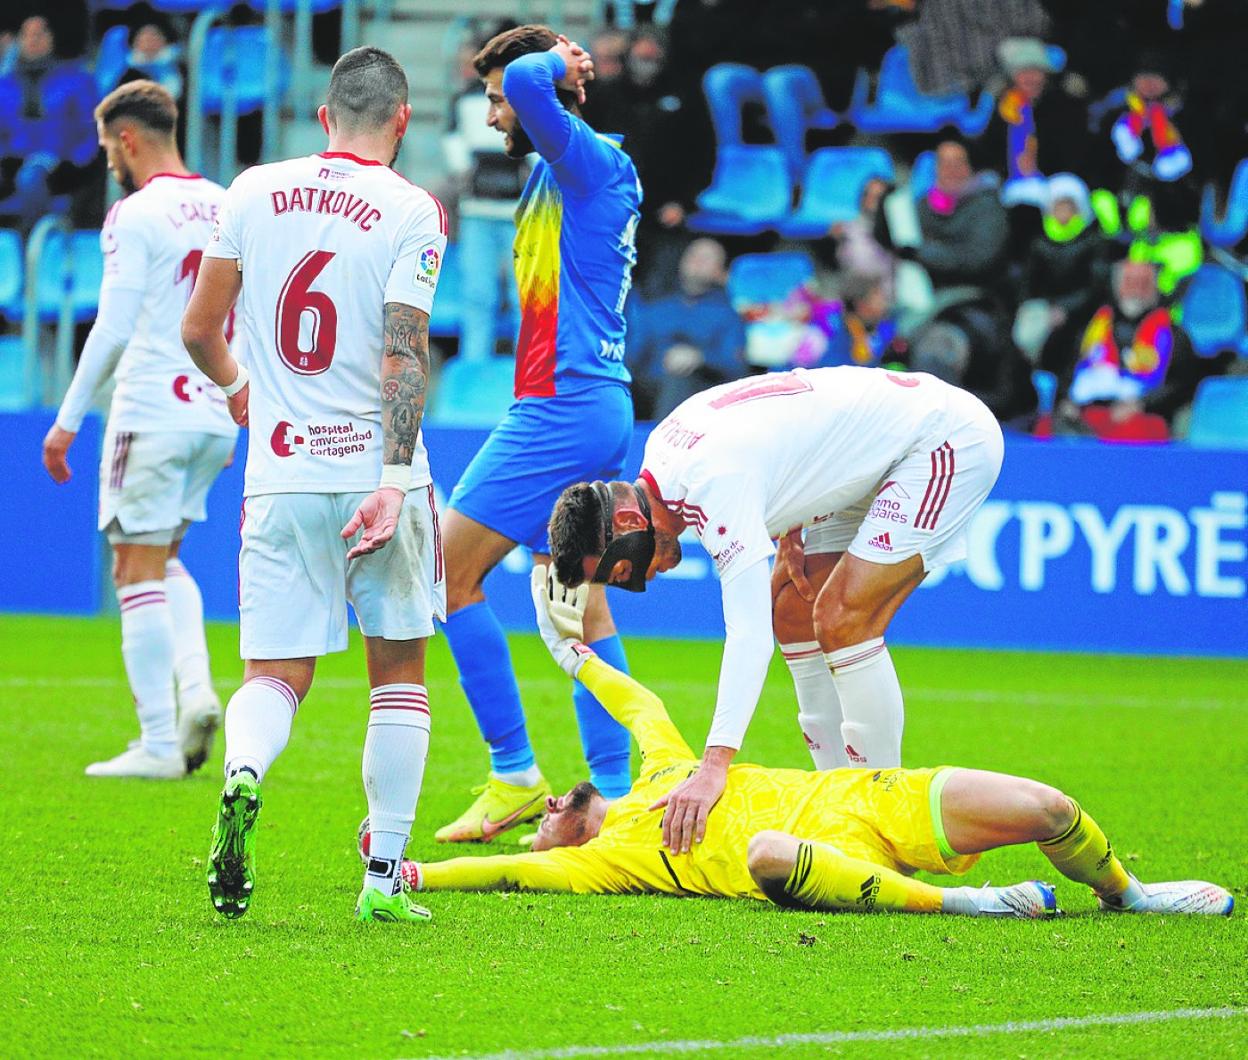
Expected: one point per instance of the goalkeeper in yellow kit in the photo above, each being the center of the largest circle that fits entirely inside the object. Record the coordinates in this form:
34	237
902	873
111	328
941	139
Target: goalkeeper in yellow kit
841	839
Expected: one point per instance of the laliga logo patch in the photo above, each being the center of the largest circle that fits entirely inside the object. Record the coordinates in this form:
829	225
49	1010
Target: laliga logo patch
427	266
283	439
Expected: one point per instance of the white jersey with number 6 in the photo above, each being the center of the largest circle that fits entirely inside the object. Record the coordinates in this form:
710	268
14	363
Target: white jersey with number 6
323	243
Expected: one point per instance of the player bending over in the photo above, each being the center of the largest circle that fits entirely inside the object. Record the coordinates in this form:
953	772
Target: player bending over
337	259
840	839
169	433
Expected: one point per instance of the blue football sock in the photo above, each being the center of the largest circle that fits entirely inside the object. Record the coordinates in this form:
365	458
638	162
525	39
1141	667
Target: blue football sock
488	680
605	741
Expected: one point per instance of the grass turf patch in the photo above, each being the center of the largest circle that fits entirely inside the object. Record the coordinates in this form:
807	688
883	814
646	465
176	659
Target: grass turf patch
109	944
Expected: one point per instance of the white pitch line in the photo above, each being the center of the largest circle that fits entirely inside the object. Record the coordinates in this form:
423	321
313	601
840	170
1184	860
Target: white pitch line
669	687
780	1041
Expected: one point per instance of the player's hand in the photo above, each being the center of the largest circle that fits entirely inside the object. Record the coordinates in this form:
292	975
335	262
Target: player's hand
688	806
378	516
560	615
580	67
238	405
790	566
56	445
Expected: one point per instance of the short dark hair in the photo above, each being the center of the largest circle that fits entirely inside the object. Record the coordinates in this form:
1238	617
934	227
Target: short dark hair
366	87
143	102
506	47
856	287
577	529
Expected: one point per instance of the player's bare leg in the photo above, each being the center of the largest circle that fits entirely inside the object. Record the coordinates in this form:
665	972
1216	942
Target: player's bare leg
813	875
199	709
257	727
147	646
395	749
852	613
983	811
515	791
793	622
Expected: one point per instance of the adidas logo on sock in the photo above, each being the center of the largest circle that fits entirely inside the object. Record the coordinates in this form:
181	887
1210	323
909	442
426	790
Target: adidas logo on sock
881	542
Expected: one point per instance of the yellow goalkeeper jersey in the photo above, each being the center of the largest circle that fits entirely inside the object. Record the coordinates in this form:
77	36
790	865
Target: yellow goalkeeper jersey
842	807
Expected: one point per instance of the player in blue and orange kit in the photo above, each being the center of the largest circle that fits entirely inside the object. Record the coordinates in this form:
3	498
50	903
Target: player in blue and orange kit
572	419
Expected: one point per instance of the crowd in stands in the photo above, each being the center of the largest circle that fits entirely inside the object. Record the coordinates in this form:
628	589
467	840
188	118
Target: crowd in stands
1035	233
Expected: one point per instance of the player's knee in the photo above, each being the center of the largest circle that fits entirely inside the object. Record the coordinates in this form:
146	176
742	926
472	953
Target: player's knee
791	617
463	588
770	856
839	623
1054	811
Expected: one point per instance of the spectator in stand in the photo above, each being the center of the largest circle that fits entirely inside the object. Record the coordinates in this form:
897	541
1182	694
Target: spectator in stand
857	248
1066	274
856	329
688	340
1135	367
609	47
1036	129
48	144
155	56
963	224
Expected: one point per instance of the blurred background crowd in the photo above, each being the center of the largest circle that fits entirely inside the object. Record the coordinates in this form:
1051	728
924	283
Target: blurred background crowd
1045	201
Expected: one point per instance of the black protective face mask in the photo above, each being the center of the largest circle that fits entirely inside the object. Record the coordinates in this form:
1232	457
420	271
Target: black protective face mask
637	546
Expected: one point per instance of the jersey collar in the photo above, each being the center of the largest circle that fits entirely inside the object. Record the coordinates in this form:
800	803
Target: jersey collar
174	176
353	158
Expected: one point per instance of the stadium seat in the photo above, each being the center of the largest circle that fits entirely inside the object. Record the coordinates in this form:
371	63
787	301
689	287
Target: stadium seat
1220	413
750	191
1045	384
900	107
832	188
728	88
12	274
81	282
1234	224
112	58
12	373
445	321
760	279
237	56
923	174
795	105
473	393
1215	311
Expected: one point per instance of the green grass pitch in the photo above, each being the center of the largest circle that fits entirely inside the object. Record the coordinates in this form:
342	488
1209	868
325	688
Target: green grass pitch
108	944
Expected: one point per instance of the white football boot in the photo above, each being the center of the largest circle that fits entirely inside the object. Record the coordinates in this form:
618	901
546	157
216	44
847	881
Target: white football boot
136	762
198	722
1178	896
1032	900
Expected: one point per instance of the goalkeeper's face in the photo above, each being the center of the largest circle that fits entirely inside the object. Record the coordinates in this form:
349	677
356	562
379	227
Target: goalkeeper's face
571	819
500	116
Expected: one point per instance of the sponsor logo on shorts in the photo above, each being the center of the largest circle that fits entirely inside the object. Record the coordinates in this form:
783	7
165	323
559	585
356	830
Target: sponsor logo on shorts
881	542
893	488
887	510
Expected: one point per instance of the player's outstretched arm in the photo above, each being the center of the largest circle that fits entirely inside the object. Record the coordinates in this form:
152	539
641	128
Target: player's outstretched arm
404	384
203	330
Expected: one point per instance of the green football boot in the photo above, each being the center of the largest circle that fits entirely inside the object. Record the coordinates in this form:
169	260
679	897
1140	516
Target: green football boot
379	907
232	863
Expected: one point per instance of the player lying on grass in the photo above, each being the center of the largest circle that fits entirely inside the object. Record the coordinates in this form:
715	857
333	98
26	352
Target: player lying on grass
837	839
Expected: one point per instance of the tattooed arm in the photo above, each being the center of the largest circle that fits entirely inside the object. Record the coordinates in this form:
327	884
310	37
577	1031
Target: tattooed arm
404	381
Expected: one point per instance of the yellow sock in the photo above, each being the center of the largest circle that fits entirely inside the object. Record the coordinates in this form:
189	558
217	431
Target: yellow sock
824	878
1082	853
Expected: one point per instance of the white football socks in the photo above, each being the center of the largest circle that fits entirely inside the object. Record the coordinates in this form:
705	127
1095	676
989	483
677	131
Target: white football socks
871	703
257	724
524	778
818	705
147	648
395	749
190	659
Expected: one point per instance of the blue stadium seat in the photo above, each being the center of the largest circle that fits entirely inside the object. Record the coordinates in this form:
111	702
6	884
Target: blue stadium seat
81	283
449	301
238	56
1215	311
112	58
900	107
795	105
473	393
923	174
832	188
750	191
12	373
728	88
1045	384
759	279
190	7
12	274
1220	413
1234	224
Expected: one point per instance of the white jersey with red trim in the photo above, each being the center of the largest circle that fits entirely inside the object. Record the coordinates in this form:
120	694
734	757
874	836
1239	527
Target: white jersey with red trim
153	241
323	243
748	461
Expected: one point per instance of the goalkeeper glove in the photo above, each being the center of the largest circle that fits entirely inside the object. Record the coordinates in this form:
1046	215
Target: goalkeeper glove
560	619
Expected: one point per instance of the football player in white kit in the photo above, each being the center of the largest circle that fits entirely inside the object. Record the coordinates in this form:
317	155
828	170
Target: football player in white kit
882	471
169	433
337	258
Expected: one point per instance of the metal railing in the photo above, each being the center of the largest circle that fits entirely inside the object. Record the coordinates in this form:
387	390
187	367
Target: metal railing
40	387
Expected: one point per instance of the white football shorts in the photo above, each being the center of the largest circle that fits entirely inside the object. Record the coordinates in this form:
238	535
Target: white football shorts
295	581
926	500
153	484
